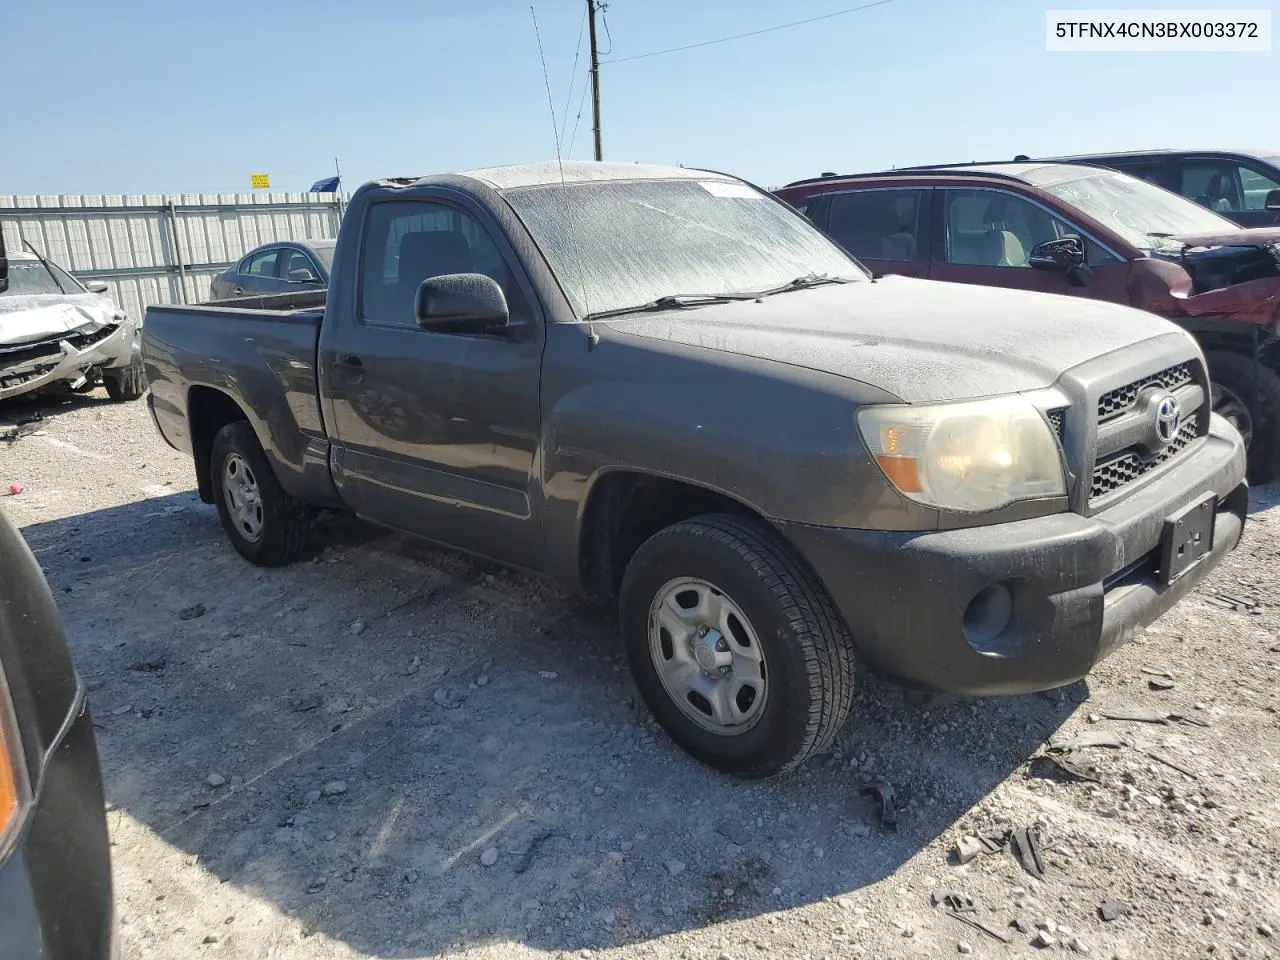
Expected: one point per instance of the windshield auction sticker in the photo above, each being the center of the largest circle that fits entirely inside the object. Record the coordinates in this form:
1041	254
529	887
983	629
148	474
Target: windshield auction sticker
727	188
1158	31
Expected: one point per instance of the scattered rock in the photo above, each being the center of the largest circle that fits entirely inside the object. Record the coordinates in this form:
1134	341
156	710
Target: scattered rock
316	886
964	948
216	780
121	711
210	939
674	867
1266	930
1238	880
489	857
548	674
193	612
411	876
305	704
482	680
598	790
1047	925
151	664
1110	910
1079	946
415	665
530	905
312	796
334	788
358	627
966	849
1021	926
1044	939
441	697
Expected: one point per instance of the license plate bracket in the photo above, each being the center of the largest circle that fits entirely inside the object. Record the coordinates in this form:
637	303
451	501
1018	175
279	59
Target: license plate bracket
1187	538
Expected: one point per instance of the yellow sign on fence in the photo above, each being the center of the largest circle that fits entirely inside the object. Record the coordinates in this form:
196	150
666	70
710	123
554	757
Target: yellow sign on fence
260	181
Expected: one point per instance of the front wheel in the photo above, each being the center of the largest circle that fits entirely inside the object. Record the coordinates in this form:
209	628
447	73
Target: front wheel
268	526
735	645
126	383
1232	392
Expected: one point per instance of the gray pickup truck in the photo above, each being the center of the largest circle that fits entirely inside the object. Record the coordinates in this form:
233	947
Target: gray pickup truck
666	387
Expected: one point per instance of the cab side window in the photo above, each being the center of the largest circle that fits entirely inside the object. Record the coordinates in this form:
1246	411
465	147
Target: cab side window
262	264
408	241
1226	186
880	224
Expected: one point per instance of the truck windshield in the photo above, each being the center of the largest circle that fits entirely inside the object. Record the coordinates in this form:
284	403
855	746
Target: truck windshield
1140	212
623	243
29	277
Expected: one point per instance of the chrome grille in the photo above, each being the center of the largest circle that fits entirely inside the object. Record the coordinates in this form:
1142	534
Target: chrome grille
1115	402
1118	471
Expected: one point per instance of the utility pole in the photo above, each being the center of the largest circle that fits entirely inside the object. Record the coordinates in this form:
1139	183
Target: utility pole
595	79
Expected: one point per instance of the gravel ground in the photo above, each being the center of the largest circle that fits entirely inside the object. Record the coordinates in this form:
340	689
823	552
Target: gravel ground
392	750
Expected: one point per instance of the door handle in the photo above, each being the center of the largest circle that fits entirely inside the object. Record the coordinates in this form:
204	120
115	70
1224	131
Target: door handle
237	292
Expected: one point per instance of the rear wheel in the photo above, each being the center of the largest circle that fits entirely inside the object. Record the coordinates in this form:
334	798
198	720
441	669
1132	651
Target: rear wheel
1232	391
265	524
735	645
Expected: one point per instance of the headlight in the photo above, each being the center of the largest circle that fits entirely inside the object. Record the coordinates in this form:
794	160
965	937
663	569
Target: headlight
965	457
14	793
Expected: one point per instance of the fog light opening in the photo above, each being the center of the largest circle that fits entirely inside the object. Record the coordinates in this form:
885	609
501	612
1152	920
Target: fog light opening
986	618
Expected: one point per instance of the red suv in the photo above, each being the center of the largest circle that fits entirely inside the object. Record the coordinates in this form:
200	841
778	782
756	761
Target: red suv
1086	232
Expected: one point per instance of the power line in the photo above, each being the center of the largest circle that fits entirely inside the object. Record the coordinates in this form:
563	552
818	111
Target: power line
586	85
753	33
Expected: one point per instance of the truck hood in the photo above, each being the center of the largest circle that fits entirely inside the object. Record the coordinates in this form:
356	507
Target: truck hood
38	317
920	340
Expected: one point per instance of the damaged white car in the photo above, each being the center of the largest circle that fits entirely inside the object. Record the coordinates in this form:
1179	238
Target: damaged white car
58	333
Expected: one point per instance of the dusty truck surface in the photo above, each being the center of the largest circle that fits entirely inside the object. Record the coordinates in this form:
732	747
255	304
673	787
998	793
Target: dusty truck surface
666	387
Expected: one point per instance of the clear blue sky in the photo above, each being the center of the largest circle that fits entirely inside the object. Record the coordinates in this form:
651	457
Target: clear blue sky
156	96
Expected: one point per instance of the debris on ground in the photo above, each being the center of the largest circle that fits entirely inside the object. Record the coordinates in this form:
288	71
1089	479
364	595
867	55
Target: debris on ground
1026	847
548	675
1160	672
1237	604
215	780
25	427
489	857
334	788
882	790
305	704
15	489
1110	910
1160	683
193	612
1141	714
358	627
1088	738
961	907
1044	939
1070	762
150	664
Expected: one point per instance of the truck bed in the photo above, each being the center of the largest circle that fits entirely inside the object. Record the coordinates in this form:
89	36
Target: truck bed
258	353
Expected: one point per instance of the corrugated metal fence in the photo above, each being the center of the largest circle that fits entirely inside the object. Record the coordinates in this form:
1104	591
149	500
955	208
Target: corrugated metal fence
162	249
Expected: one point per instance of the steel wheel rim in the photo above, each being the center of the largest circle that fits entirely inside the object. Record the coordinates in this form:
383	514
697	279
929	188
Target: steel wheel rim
244	499
707	656
1231	406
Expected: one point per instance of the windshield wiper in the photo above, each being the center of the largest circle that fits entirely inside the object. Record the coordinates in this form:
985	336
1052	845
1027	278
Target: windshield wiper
674	301
803	283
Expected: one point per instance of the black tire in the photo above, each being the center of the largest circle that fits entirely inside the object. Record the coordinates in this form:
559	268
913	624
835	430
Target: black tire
807	650
1233	374
126	383
285	520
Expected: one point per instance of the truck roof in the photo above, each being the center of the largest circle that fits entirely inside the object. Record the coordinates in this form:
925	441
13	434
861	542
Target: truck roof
580	171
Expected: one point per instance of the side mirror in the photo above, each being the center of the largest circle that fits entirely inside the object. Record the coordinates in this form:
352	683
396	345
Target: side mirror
303	276
1063	254
462	303
96	286
1273	200
4	266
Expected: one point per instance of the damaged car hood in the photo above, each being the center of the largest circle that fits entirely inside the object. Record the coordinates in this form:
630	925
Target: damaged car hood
1216	261
920	340
38	317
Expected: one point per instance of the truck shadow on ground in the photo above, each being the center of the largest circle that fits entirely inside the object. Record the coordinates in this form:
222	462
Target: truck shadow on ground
424	751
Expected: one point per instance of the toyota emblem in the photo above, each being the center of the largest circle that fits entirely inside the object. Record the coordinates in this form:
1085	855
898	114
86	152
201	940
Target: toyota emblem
1168	420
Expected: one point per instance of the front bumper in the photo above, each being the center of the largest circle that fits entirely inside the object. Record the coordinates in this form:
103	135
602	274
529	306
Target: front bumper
1077	586
66	360
55	886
